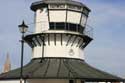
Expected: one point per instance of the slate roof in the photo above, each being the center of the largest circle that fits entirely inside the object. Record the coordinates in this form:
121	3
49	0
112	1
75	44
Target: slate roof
57	68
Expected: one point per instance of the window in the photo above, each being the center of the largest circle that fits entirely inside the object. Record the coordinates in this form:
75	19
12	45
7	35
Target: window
72	27
60	26
80	29
52	26
66	26
71	81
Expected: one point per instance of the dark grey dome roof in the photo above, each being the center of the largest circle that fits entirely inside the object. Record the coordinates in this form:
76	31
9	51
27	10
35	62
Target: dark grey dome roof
60	68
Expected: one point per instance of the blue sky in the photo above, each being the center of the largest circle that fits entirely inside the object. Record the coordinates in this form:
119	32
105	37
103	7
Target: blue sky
106	51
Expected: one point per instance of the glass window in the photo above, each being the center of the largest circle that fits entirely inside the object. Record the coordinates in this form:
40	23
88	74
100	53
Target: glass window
72	27
71	81
60	26
57	26
52	26
80	29
66	26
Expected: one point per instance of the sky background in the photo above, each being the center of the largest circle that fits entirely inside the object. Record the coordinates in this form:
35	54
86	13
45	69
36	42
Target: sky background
105	52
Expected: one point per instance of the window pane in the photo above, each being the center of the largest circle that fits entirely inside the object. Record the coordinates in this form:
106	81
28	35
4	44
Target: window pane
80	29
51	26
66	26
71	81
72	27
60	26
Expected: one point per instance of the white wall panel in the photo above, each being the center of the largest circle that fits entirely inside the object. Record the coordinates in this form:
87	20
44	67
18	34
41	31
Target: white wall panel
73	17
59	51
57	16
37	51
83	21
42	23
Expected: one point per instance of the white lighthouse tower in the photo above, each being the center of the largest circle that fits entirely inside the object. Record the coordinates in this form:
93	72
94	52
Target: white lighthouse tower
58	45
62	23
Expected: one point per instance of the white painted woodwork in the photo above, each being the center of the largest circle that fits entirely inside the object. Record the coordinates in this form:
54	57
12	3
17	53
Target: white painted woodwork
42	19
58	50
57	16
42	23
73	17
84	20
